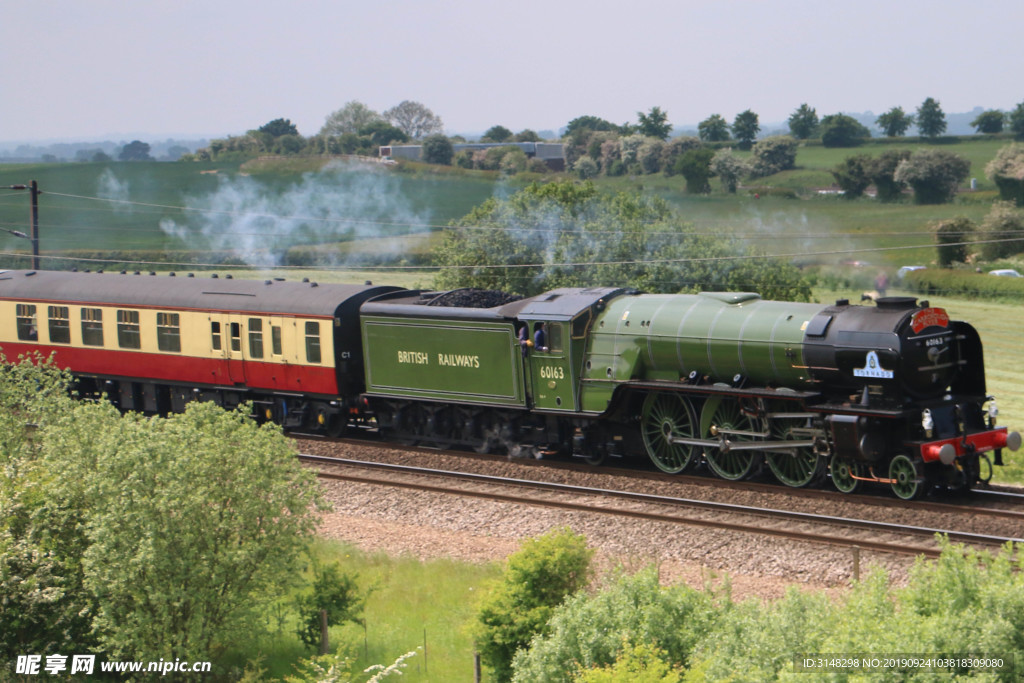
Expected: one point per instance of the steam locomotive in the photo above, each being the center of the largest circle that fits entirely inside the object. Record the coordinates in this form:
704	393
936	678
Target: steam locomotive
892	393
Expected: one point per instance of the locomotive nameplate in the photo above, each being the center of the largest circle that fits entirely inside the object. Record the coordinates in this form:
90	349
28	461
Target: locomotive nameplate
872	368
929	317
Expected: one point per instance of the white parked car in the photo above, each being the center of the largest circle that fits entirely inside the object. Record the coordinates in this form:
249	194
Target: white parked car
1005	272
906	269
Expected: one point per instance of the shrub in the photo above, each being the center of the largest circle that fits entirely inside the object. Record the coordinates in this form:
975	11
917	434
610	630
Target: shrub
1000	228
1006	170
729	168
537	578
933	174
585	168
950	234
852	175
773	155
437	149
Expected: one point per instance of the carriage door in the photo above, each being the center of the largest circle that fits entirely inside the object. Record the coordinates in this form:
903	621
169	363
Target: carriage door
550	370
234	345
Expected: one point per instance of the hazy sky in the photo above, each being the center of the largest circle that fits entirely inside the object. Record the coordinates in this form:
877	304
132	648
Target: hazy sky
77	69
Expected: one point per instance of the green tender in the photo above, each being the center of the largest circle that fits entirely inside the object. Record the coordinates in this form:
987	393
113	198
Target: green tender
460	361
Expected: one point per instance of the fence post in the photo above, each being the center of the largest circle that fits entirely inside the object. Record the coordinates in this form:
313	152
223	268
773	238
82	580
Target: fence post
324	646
476	667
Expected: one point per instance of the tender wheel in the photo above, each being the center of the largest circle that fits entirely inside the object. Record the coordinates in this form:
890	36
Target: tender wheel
666	417
725	414
489	434
906	483
797	467
843	472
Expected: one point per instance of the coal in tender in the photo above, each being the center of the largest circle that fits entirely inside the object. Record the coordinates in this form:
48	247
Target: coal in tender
473	298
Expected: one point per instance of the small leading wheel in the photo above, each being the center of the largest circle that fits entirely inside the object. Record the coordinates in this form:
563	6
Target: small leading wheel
724	415
844	474
665	418
906	482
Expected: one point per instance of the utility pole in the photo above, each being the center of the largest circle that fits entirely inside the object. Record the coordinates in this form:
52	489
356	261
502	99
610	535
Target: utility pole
33	187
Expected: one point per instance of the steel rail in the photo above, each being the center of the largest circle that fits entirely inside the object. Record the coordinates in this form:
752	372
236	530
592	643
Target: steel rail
882	527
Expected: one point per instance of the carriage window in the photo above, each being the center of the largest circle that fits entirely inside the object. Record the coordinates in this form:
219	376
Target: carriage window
92	326
255	338
26	319
275	339
215	335
168	332
236	336
313	342
128	330
60	325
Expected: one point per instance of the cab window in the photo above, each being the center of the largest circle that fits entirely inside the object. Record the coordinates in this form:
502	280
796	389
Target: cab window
554	336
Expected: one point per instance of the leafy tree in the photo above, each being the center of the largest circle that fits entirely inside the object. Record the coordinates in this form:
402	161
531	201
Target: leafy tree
713	129
675	148
192	521
537	578
351	118
933	174
650	154
989	122
539	239
437	149
135	151
589	124
695	166
335	592
729	168
654	124
44	606
852	175
497	134
526	135
931	121
745	128
840	130
1006	170
772	155
1016	121
894	123
1000	231
380	132
882	172
279	127
414	119
288	144
803	123
949	234
585	168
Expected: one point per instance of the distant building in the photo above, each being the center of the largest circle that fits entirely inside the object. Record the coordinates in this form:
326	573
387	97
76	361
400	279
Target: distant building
551	153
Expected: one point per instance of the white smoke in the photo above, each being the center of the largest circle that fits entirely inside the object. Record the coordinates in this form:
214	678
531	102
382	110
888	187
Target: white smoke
257	221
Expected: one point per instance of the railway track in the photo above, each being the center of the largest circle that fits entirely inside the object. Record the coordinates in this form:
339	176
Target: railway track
993	504
797	526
